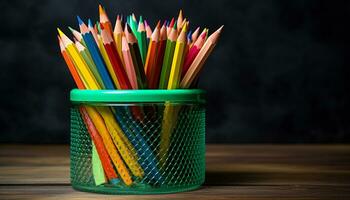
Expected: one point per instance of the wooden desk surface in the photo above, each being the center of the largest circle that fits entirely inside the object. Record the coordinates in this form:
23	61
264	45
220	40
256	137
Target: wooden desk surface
233	172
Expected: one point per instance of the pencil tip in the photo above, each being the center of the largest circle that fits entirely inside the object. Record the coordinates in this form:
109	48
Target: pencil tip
100	8
141	19
128	27
90	23
60	32
79	20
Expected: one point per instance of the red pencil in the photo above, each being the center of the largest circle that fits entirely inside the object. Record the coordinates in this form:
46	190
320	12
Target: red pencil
192	53
160	56
116	62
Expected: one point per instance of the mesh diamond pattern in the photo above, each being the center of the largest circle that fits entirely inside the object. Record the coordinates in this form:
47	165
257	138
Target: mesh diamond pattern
172	166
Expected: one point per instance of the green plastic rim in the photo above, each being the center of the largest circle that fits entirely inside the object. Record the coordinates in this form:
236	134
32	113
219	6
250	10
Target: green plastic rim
126	96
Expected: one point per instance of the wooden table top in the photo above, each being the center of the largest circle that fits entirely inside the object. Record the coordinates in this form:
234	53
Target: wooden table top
233	172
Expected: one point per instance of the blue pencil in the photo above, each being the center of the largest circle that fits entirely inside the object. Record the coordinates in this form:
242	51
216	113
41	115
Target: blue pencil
95	54
145	154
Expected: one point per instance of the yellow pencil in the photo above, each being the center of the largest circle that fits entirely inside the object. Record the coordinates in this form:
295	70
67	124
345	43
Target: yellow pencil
79	62
171	111
178	59
121	142
117	34
107	140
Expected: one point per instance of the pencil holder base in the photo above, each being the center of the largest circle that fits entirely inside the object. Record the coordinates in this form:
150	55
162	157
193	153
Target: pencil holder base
134	191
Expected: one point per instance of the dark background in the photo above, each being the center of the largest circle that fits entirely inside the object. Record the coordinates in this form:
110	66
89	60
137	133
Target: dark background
278	75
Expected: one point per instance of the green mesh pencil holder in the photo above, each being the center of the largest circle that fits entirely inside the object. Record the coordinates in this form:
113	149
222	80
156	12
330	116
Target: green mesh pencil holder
137	141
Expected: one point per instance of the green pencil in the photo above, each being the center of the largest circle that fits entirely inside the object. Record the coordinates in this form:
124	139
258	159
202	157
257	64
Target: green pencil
87	57
142	40
168	58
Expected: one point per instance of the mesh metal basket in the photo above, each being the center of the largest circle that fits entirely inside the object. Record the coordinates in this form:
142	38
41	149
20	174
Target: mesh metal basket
160	145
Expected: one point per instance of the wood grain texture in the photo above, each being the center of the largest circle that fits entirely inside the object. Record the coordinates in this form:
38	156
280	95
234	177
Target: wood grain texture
233	172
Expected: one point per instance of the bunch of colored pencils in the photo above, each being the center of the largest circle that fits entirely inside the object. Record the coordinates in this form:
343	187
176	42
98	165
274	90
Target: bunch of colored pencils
130	56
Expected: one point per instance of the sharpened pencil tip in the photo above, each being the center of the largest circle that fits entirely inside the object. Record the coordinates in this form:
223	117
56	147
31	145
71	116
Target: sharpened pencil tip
128	27
79	20
90	23
100	8
141	19
60	32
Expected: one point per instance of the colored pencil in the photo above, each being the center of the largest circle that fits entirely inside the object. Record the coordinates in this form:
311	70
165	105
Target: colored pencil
104	21
142	39
87	57
160	56
193	51
102	152
117	34
195	35
111	149
95	54
77	35
113	56
148	30
170	26
129	65
108	63
79	62
123	145
71	66
199	60
135	53
151	59
93	31
180	21
178	58
168	58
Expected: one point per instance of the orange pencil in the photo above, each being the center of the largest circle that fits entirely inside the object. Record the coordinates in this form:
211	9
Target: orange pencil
71	66
101	149
104	21
151	58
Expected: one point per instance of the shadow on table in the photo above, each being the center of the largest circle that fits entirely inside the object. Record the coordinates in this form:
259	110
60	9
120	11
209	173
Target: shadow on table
232	178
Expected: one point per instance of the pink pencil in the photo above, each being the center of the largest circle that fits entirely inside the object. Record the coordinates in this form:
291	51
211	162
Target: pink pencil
193	51
129	65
